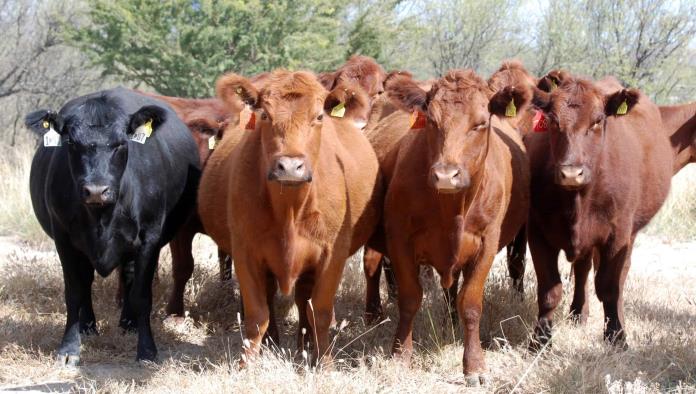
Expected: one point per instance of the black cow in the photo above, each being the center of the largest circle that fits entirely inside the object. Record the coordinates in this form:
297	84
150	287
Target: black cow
108	200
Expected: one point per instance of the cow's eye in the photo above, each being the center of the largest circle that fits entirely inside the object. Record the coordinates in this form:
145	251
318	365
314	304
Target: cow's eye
264	116
320	117
481	126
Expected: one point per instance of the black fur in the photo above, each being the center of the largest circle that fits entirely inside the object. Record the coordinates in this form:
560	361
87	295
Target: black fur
152	189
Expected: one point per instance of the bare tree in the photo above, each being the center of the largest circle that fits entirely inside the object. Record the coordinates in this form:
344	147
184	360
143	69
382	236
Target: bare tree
36	68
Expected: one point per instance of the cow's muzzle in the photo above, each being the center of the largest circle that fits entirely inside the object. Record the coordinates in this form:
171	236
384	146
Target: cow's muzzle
290	170
572	176
449	178
97	195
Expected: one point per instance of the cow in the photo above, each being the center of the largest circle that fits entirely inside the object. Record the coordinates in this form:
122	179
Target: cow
115	179
291	199
206	119
600	170
513	72
457	193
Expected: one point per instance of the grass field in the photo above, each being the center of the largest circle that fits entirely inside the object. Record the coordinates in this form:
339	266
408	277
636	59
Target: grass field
200	353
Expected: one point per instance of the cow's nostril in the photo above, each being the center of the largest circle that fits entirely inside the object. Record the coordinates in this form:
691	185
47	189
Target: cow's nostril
456	174
580	172
281	167
300	166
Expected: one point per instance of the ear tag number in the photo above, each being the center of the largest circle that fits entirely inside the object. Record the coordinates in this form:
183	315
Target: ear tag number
339	110
623	108
51	138
540	123
142	132
511	110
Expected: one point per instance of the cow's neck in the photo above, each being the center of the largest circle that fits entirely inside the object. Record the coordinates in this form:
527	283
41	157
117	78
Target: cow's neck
464	215
679	123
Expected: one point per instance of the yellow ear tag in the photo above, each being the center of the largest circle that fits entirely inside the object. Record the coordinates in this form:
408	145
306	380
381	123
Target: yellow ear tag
511	110
623	108
553	84
142	133
147	128
45	124
339	110
211	142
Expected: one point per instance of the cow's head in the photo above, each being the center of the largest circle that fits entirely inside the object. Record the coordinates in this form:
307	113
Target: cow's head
457	112
363	70
289	112
96	135
207	126
577	111
511	72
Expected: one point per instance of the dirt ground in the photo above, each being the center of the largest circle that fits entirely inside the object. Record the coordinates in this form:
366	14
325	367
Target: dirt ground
200	354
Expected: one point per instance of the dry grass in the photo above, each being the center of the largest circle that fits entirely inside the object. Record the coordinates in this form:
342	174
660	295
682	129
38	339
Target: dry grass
16	214
200	355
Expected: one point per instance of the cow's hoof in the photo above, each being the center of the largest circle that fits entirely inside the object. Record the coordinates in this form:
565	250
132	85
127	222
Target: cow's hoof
67	360
476	379
146	356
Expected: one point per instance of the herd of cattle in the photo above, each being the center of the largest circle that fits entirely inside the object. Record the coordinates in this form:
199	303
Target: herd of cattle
291	173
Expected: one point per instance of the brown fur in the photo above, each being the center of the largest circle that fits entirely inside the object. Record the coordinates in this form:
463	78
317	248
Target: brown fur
359	69
295	236
679	123
627	165
451	232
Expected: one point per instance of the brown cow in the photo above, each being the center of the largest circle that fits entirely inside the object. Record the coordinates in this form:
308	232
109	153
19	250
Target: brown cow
600	169
513	72
291	199
458	192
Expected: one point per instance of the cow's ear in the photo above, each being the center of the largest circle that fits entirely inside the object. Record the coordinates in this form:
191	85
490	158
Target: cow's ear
552	80
203	126
621	102
150	117
42	121
236	91
327	80
348	100
541	99
507	101
406	94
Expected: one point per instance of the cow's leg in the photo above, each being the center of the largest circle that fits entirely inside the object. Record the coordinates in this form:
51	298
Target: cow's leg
303	292
119	289
272	332
470	306
579	308
516	255
390	278
140	298
88	323
321	310
549	286
451	298
182	268
75	271
128	319
615	261
372	266
410	298
252	285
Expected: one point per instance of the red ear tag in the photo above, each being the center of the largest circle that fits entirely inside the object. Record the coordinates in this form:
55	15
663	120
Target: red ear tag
540	123
251	124
417	120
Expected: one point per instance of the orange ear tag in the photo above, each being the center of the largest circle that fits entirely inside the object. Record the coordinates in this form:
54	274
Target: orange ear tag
251	125
540	122
417	120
